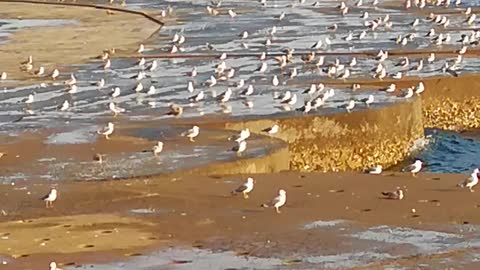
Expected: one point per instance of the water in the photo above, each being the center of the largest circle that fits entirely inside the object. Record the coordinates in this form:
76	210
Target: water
296	31
449	152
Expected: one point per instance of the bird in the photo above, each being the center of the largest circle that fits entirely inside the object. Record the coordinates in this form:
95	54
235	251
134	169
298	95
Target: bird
191	133
115	109
225	96
53	266
107	130
65	106
272	130
369	100
278	201
198	97
242	136
414	168
393	195
175	110
158	148
50	197
240	147
141	48
55	74
245	188
375	170
471	181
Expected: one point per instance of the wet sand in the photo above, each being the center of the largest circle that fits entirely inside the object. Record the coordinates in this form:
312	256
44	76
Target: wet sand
199	211
86	34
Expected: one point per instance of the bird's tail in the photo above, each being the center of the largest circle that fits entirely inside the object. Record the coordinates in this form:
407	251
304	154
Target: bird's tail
461	184
385	193
264	205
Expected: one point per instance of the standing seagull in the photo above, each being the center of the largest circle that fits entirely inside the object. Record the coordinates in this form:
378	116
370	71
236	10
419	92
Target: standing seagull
107	130
240	148
393	195
50	197
272	130
471	181
192	133
246	188
157	149
278	201
53	266
414	168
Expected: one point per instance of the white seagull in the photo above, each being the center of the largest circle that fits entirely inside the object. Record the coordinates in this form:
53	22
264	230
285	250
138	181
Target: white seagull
192	133
393	195
246	188
50	197
471	181
278	201
272	130
115	109
157	149
414	168
107	130
240	147
375	170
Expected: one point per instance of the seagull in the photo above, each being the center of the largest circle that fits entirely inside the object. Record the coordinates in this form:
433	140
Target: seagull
107	64
275	81
420	88
100	83
198	97
50	197
263	67
278	201
351	104
471	181
55	74
375	170
115	92
244	35
248	91
153	66
30	99
225	96
71	81
272	130
414	168
240	148
232	13
192	133
246	188
393	195
369	100
115	109
65	106
40	71
242	136
157	149
190	87
107	130
141	48
175	110
53	266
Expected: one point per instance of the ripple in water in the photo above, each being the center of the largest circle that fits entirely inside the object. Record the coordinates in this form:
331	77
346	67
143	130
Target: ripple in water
450	152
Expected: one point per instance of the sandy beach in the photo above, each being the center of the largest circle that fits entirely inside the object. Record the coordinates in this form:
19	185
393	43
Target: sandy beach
199	211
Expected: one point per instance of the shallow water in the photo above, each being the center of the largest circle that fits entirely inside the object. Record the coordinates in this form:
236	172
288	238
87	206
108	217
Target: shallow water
297	31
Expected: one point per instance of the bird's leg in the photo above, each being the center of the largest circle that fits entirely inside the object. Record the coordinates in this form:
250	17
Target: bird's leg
46	204
414	175
245	195
191	139
106	137
277	210
471	190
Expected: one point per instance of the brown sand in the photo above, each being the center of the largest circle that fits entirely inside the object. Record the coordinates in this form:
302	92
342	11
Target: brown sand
90	32
192	210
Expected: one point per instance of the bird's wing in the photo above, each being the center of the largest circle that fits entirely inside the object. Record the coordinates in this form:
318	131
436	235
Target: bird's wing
266	129
45	197
241	188
408	168
275	201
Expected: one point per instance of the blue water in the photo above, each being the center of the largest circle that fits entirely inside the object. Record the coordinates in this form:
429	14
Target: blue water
450	152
